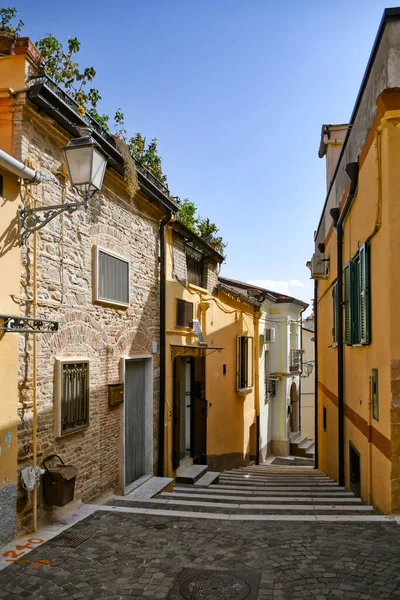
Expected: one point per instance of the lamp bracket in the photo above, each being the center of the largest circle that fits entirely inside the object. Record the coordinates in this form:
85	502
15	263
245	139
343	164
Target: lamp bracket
18	324
33	219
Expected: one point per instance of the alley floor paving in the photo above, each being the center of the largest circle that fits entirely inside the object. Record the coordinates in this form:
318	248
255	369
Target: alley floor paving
119	553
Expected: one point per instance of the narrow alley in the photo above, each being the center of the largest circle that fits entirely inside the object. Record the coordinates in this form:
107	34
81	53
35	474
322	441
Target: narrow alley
296	534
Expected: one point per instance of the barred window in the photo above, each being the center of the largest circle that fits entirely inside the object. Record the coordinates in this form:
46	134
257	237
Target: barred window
72	402
111	281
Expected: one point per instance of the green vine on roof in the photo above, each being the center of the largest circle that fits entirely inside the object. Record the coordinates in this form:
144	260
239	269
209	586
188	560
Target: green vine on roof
7	15
202	226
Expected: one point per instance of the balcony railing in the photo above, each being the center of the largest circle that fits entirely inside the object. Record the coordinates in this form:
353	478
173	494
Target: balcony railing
270	387
295	358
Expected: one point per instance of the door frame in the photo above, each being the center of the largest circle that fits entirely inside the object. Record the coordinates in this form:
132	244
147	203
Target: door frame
148	420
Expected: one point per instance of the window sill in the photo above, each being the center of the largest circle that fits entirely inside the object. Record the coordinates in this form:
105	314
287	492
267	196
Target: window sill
197	288
110	303
244	391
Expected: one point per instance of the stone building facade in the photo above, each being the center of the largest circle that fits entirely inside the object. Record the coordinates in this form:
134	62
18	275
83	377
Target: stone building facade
101	332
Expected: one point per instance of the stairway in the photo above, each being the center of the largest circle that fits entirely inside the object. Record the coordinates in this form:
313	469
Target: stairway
256	493
301	445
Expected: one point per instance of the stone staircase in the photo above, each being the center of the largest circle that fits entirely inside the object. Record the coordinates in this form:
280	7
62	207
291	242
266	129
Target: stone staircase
301	445
262	492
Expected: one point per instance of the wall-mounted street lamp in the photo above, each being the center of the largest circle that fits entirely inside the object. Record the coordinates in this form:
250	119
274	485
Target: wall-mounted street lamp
86	167
307	369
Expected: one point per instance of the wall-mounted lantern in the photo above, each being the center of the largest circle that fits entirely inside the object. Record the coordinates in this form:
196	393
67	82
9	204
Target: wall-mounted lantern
86	167
307	369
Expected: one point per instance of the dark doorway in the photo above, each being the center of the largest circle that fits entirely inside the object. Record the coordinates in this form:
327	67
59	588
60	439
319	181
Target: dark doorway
135	388
355	472
190	410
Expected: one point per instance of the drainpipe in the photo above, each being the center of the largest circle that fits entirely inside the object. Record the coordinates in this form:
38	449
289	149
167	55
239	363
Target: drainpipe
316	373
338	219
13	165
257	315
301	346
163	341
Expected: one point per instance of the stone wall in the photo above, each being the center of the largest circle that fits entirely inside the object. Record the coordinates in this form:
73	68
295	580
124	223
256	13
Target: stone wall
101	333
179	267
210	275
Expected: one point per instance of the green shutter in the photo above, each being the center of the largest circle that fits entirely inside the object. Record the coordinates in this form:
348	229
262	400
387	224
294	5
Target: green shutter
364	291
335	312
347	292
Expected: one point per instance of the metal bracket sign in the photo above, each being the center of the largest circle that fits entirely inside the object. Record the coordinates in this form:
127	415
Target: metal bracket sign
17	324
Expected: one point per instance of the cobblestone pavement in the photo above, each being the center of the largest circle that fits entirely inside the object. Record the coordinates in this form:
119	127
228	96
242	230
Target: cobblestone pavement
134	555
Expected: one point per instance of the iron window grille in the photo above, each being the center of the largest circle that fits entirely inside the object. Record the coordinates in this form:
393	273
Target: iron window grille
295	360
270	387
194	265
111	278
72	402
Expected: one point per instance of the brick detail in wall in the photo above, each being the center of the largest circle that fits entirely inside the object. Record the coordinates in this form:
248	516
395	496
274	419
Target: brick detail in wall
179	267
210	274
101	333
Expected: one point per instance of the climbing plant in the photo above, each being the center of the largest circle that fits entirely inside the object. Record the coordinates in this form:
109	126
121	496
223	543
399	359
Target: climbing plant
7	16
202	226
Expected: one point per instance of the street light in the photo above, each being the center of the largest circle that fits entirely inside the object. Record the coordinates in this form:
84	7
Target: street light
85	163
307	369
86	167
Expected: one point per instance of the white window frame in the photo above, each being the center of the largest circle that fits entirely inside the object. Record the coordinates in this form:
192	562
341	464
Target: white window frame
58	395
96	298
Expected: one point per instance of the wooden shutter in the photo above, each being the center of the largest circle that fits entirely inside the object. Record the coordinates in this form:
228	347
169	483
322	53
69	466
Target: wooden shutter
184	313
364	291
347	292
249	362
335	312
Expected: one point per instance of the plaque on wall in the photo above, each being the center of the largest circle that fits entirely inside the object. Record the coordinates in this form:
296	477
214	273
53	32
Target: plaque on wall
115	394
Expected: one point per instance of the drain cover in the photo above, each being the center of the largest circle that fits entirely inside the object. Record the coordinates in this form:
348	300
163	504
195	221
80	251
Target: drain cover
69	539
195	584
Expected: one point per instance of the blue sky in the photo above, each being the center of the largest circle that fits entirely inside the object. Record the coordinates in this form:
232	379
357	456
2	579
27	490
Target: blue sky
236	92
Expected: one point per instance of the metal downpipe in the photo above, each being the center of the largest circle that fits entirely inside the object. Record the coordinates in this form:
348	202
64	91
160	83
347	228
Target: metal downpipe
161	423
316	373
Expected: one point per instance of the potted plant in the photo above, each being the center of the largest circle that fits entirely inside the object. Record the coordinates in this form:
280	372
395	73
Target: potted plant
8	30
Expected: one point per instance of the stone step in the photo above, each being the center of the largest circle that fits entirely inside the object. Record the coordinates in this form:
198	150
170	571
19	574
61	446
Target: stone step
151	486
187	514
210	478
192	474
277	491
310	451
265	499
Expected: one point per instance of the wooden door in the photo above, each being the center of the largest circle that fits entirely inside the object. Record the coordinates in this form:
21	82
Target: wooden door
134	420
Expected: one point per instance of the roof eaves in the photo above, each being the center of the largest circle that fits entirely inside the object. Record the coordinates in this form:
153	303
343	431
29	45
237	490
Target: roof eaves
389	14
188	234
231	291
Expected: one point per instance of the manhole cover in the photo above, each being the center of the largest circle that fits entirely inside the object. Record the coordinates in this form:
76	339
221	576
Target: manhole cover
195	584
71	540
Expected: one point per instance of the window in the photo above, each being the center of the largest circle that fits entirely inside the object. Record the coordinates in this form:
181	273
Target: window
335	306
357	317
72	396
111	278
184	313
375	396
324	418
194	265
244	362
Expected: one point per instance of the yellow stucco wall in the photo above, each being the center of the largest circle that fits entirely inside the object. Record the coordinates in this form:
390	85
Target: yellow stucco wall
375	209
9	284
231	417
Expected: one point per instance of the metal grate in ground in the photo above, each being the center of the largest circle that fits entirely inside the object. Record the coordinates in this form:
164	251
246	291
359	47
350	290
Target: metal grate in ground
69	539
201	584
